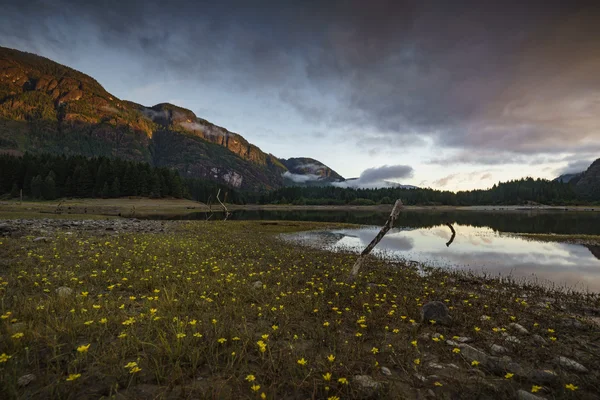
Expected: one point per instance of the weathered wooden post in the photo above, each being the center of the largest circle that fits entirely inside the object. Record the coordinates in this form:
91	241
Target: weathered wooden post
398	206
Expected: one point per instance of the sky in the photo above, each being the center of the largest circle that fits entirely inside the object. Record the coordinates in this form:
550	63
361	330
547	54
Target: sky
452	95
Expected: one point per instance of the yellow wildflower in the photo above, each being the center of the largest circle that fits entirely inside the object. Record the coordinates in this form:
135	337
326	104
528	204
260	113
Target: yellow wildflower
83	348
72	377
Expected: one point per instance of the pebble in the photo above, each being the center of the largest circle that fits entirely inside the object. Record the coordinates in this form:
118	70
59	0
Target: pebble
519	328
512	340
524	395
464	339
539	340
64	291
435	365
25	380
386	371
366	382
543	376
570	364
497	349
572	323
257	285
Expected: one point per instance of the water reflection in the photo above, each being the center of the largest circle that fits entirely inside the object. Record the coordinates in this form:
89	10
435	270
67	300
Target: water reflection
478	249
562	222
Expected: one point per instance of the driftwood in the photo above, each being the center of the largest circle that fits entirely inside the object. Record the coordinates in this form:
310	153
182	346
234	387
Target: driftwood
227	214
453	235
388	225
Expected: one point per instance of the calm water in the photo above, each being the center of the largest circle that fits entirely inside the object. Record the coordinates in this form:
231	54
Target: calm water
482	244
481	250
516	221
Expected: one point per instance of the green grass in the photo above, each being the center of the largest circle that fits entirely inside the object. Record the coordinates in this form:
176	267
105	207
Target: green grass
183	307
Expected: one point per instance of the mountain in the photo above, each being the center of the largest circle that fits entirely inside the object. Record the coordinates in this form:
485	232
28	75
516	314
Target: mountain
308	171
566	178
48	107
588	184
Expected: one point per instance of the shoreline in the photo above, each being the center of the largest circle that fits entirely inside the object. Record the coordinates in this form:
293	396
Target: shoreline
131	207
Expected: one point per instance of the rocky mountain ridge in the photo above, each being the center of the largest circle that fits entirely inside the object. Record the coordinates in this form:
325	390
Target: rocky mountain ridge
48	107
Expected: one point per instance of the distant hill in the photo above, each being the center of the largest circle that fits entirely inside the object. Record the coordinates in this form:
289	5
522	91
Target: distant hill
588	184
308	171
566	178
48	107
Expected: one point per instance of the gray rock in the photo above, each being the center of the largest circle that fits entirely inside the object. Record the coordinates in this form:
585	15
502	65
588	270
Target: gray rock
539	340
41	238
64	291
366	382
451	343
570	364
386	371
472	354
494	364
257	285
512	340
25	380
519	328
524	395
572	323
435	365
436	311
420	377
543	376
496	349
464	339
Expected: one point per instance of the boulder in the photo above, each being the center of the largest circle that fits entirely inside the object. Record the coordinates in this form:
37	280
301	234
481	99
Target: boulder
436	311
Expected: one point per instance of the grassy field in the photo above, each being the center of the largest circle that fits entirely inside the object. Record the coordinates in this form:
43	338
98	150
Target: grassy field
226	310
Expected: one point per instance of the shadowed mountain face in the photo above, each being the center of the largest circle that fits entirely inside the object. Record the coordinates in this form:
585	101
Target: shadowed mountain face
588	183
311	168
48	107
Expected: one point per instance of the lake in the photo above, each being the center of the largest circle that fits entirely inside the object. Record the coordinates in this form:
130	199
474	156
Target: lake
483	241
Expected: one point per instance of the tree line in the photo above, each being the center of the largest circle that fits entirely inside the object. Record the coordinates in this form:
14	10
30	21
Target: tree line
46	176
516	192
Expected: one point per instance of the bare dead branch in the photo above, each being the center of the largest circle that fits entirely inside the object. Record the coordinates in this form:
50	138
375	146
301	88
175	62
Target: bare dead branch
227	214
453	235
398	206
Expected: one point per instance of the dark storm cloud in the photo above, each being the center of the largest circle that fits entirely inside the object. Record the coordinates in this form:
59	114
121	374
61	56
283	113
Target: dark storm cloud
513	79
